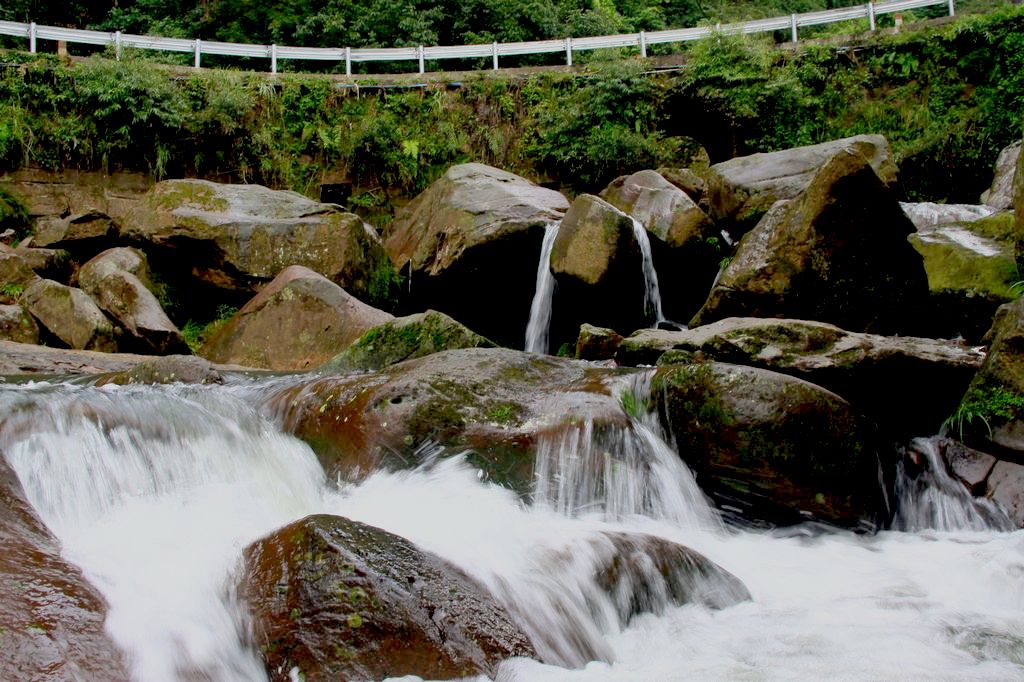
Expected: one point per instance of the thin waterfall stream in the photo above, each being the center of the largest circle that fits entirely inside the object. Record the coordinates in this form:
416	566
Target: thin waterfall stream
154	492
652	294
540	309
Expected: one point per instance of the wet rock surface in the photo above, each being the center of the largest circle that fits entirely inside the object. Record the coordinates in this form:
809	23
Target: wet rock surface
338	599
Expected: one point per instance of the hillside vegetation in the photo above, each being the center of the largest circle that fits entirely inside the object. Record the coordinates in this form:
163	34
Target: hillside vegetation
948	97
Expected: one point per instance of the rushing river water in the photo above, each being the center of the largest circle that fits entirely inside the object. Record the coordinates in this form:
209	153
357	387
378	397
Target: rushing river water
154	492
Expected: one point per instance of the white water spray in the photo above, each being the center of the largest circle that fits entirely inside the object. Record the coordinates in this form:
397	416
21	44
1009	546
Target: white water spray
540	309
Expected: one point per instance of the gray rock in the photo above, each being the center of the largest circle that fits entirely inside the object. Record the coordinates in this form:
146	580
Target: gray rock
72	232
17	325
119	259
469	244
837	253
664	209
1006	488
70	315
744	188
1000	194
237	237
927	214
298	321
973	467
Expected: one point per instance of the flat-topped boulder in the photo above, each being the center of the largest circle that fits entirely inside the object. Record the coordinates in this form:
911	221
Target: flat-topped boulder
298	321
468	246
837	253
742	189
872	372
238	237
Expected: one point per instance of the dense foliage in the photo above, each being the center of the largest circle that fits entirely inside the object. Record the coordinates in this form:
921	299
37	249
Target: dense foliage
948	97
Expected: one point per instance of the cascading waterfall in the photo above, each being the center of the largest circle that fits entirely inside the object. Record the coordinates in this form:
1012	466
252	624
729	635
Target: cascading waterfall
154	491
540	310
652	295
935	500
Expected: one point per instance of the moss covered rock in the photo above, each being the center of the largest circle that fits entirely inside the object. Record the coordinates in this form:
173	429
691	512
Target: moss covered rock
336	599
494	402
238	237
837	253
298	321
875	373
405	338
15	276
17	325
772	446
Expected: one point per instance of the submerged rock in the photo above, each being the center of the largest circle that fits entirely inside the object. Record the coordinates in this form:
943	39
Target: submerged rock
774	447
170	369
468	246
336	599
837	253
298	321
405	338
70	315
50	616
744	188
908	384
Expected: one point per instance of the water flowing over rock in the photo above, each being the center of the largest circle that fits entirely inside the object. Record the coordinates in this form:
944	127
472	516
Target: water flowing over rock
405	338
170	369
118	280
52	619
337	599
468	244
234	238
538	328
774	447
298	321
1000	194
70	315
744	188
837	253
908	384
494	402
17	325
598	267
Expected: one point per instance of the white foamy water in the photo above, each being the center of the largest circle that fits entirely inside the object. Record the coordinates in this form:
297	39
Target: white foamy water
540	309
155	491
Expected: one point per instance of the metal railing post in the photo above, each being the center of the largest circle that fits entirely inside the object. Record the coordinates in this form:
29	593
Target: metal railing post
348	61
32	37
952	8
568	51
421	58
643	45
199	51
871	15
273	58
494	54
117	45
792	27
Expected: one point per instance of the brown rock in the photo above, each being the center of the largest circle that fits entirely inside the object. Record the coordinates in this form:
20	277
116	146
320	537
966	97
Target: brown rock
15	276
1006	488
298	321
597	343
70	315
17	325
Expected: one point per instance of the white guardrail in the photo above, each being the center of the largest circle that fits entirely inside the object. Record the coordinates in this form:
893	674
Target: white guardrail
197	47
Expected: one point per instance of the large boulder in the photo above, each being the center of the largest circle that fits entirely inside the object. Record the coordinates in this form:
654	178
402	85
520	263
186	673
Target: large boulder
838	253
15	276
69	315
298	321
683	239
493	401
237	237
773	446
741	190
1000	194
118	279
598	268
17	325
469	246
971	271
405	338
85	233
335	599
50	616
908	384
